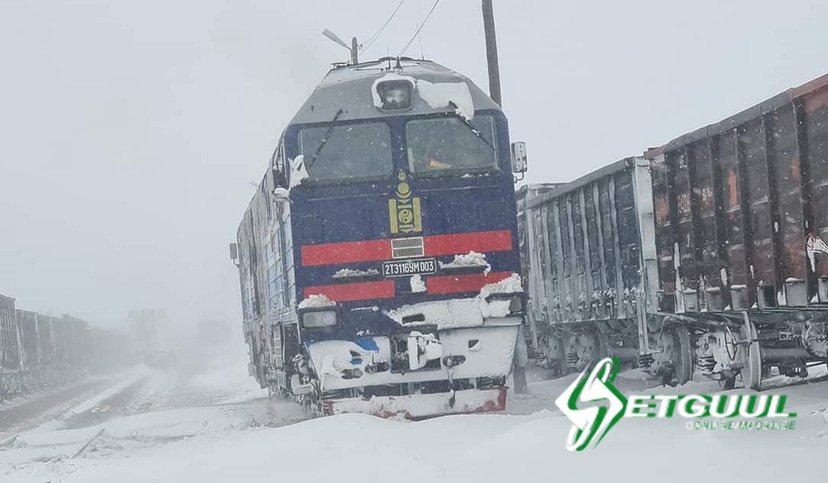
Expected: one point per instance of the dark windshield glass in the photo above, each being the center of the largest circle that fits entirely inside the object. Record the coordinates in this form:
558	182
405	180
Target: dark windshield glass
448	145
351	151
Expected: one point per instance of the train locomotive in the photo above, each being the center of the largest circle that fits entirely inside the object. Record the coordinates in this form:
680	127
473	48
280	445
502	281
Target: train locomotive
378	259
704	257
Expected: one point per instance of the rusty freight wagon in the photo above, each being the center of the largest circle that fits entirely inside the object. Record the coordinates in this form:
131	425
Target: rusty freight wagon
719	254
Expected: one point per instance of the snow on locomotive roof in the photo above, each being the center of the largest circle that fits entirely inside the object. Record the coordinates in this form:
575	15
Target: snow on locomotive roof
352	89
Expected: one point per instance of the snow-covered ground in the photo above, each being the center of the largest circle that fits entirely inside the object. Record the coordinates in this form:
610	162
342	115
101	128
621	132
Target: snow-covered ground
50	435
217	425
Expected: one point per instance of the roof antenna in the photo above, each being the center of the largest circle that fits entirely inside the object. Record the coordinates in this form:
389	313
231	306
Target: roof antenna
420	41
353	48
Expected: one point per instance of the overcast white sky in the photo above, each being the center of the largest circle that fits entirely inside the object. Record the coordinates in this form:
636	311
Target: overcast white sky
130	131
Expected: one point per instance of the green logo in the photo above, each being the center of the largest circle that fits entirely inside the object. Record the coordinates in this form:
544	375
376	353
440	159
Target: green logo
595	405
589	422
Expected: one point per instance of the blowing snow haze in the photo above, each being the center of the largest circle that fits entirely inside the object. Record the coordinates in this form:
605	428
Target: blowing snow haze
131	132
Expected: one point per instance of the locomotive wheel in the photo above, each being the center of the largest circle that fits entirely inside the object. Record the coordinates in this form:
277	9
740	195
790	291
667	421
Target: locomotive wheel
752	371
683	354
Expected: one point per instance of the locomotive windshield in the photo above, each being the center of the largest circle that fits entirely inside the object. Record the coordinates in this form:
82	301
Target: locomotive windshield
347	151
450	144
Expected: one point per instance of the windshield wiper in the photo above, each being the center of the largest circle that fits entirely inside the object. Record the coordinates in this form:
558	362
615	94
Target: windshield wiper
473	129
324	139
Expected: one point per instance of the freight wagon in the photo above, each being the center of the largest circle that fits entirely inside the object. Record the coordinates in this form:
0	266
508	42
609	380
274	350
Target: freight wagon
9	348
521	195
38	351
585	252
705	255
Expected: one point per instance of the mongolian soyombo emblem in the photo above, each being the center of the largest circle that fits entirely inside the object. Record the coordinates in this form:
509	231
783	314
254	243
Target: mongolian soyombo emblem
404	209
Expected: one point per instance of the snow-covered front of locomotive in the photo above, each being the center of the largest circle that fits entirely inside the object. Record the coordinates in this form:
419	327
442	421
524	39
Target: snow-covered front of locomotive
447	356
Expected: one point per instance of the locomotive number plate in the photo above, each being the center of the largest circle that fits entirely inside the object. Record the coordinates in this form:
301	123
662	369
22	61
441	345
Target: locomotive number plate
405	268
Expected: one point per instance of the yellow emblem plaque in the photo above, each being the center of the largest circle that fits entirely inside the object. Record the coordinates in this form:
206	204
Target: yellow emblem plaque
404	209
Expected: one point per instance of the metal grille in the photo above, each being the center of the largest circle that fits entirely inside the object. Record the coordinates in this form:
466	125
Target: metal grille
407	247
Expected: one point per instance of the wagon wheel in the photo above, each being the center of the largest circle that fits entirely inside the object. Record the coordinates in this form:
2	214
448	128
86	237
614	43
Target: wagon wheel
682	355
593	347
603	345
732	348
557	341
729	382
752	371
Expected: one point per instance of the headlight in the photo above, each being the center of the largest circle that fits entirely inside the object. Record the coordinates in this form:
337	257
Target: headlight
395	94
313	320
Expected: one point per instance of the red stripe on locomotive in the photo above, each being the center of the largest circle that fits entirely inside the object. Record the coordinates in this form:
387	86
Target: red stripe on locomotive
481	241
378	250
347	292
357	251
445	284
